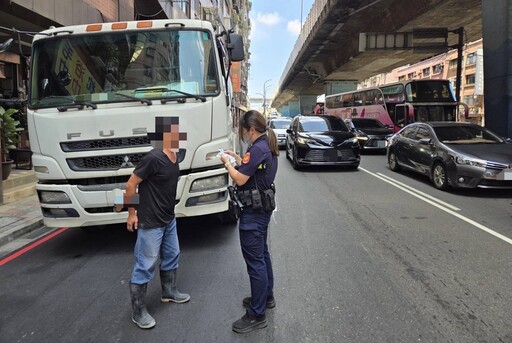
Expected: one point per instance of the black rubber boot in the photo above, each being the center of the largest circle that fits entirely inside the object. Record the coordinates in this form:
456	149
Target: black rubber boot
170	289
140	314
271	302
248	323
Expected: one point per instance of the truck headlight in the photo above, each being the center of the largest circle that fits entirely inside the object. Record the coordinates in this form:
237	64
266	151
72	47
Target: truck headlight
209	183
48	197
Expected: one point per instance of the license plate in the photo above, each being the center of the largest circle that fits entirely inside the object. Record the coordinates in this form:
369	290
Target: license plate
505	175
381	144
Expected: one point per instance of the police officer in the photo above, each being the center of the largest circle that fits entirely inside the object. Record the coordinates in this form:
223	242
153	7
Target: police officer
255	175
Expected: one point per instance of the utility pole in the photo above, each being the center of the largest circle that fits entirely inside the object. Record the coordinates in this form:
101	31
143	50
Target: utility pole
265	96
460	45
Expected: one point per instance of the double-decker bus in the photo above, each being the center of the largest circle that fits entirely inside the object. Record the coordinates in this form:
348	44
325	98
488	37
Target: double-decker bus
397	104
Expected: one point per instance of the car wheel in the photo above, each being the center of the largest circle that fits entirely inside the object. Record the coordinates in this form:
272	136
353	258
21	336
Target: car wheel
392	161
295	163
439	177
286	151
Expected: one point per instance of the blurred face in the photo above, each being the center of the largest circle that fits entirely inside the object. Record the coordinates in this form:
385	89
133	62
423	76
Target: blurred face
171	138
168	135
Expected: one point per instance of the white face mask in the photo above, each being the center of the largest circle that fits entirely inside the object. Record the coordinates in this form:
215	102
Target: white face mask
246	140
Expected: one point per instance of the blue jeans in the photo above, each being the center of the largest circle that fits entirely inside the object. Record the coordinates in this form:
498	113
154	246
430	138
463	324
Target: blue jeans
253	240
152	243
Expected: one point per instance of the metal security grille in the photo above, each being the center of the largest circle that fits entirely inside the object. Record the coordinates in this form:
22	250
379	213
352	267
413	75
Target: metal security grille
105	144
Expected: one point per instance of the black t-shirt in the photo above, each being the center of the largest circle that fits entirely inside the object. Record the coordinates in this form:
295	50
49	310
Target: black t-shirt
157	191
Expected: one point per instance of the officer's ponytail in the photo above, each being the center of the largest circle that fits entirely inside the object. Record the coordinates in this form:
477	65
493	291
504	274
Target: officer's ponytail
256	120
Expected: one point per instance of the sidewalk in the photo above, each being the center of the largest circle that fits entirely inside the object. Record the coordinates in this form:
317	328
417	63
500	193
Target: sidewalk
19	218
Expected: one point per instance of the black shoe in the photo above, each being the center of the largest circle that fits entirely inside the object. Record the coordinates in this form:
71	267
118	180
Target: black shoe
248	323
271	302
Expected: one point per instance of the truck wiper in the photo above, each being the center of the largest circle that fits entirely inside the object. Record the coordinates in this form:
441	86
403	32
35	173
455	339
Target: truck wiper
188	95
77	105
167	90
142	100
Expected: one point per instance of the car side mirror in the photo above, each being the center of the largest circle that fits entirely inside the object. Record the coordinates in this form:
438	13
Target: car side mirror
425	141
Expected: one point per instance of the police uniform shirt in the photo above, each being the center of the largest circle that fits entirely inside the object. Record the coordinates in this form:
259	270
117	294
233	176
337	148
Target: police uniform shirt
257	156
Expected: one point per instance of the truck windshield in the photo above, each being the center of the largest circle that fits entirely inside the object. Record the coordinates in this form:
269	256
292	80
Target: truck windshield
127	66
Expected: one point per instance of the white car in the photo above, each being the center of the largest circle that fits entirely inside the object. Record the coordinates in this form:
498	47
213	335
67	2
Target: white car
279	125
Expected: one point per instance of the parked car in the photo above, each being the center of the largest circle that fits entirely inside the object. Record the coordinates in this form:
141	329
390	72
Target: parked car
371	133
453	154
321	140
279	125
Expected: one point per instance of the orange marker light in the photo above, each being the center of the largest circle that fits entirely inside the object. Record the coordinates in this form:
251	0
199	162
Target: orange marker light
119	26
144	24
94	27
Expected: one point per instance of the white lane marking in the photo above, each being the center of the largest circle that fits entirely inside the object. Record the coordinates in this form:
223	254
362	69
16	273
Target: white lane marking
447	210
420	192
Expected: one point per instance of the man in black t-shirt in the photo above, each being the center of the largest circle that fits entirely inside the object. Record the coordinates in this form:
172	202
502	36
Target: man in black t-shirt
156	178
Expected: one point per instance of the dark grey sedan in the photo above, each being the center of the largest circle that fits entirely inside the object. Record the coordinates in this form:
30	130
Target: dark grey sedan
453	154
370	132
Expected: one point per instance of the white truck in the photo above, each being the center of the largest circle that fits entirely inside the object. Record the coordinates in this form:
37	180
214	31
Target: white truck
94	93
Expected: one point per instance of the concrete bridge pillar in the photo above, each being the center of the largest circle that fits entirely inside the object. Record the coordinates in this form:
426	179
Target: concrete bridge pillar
293	108
284	110
497	36
340	86
307	104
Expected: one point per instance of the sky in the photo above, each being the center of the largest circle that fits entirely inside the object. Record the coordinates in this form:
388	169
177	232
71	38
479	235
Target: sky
275	25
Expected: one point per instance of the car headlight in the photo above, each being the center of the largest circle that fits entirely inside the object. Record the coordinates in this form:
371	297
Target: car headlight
354	140
465	160
304	140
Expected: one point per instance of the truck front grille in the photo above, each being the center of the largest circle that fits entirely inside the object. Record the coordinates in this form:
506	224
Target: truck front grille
110	162
105	144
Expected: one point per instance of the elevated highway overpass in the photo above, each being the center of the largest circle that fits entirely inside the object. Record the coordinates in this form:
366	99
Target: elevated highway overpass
326	57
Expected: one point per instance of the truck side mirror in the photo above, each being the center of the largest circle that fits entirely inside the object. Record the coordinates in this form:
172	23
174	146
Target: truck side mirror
236	47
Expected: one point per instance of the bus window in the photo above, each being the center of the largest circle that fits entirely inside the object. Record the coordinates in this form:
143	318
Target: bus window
429	91
358	99
347	100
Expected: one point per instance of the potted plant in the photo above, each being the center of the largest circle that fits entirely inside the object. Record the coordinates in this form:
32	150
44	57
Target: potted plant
9	136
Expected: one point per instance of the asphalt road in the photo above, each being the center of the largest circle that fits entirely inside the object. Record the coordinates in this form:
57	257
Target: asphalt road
359	256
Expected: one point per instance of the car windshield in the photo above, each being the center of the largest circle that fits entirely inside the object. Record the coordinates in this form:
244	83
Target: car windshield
367	123
322	124
280	124
466	134
115	66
